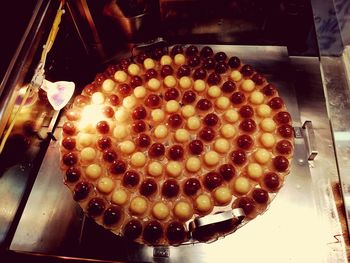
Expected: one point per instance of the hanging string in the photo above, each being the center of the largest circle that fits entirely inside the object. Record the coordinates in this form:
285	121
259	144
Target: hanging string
39	72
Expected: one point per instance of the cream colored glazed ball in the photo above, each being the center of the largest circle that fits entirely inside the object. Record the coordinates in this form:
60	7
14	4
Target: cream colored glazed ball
173	168
98	98
179	59
222	103
214	91
231	116
264	111
120	131
256	97
185	82
193	123
119	197
88	154
129	102
161	131
228	131
155	169
268	125
120	76
157	115
127	147
138	205
148	63
108	85
254	170
121	115
221	145
248	85
188	111
236	75
105	185
268	140
199	85
93	171
262	156
203	203
170	81
193	164
138	159
242	185
160	211
166	60
153	84
172	106
140	92
211	158
84	139
182	135
183	210
222	195
133	69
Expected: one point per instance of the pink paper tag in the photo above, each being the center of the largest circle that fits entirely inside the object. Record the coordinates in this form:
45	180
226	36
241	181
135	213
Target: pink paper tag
59	93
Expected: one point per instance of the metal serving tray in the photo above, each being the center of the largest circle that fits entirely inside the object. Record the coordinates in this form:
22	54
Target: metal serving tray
295	228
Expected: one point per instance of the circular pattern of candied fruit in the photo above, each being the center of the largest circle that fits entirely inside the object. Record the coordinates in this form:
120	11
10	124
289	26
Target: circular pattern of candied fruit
162	138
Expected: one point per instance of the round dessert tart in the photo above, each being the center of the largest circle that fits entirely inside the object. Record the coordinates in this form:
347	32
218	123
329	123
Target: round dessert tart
160	139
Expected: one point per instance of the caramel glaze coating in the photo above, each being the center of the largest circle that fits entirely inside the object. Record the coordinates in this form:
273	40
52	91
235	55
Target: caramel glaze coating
208	131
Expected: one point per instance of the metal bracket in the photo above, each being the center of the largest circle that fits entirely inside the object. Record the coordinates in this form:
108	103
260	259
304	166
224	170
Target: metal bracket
198	222
310	140
161	252
147	46
307	132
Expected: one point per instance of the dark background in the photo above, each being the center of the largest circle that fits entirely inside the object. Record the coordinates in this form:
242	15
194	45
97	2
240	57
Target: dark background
290	23
13	23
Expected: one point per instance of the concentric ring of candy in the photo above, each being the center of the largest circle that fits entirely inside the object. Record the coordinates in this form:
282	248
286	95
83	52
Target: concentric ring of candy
155	142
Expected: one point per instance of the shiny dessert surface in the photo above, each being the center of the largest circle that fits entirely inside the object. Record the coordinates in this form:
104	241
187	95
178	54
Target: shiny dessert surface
162	138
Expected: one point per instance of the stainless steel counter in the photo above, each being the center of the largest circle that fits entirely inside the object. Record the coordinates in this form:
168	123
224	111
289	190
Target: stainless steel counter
300	225
336	72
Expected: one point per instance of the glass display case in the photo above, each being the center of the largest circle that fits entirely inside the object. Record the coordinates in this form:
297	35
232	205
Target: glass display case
301	46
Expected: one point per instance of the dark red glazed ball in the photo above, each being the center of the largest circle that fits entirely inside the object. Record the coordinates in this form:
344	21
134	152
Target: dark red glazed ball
175	120
132	229
260	196
196	147
272	181
175	232
227	171
176	152
118	167
238	157
212	180
191	186
72	174
70	158
153	232
156	150
95	207
131	178
247	204
286	131
68	143
81	190
112	215
143	140
281	163
104	142
148	187
170	188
